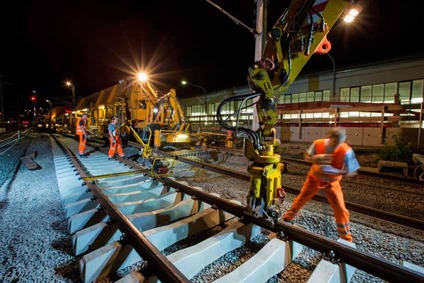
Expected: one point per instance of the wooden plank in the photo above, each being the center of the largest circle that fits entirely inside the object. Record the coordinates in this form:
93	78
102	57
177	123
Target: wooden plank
29	163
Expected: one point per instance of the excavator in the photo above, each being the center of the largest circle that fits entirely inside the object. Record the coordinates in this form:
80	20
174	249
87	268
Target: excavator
156	121
161	115
300	32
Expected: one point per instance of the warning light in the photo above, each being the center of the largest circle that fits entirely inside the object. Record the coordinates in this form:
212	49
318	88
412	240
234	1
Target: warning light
33	98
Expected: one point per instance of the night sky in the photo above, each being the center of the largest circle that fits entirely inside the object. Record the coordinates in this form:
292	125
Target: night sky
97	43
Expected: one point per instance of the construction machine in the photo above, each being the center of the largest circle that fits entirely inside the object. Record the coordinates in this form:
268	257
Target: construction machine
157	165
158	113
300	32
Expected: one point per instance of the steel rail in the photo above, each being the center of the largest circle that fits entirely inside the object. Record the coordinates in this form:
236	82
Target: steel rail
156	261
371	264
380	214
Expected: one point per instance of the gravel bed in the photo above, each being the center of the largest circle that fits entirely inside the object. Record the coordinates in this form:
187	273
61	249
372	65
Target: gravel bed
35	245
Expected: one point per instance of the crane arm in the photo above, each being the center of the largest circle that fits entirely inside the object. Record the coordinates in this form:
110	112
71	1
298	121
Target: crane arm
300	32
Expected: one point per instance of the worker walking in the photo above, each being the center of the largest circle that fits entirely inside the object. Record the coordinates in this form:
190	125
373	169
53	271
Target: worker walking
115	141
82	132
331	158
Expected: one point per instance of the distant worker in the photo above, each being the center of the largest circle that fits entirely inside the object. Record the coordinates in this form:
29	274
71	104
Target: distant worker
229	139
331	158
115	141
82	132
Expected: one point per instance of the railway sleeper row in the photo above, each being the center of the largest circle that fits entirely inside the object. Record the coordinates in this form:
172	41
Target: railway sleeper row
165	215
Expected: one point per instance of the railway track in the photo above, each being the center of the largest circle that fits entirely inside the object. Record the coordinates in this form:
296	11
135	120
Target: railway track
372	172
122	218
184	156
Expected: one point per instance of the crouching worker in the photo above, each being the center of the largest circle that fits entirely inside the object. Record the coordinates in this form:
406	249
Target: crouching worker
115	141
331	158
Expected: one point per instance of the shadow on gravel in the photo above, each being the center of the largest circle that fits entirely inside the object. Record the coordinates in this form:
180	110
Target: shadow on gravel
69	270
63	244
60	226
3	204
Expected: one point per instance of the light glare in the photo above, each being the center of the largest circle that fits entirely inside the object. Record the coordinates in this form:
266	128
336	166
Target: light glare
142	77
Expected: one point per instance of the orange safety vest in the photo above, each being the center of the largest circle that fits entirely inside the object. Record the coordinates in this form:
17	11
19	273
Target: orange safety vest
79	130
338	162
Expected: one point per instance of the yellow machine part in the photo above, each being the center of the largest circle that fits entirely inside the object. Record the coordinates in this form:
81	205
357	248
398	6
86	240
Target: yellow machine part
265	180
290	44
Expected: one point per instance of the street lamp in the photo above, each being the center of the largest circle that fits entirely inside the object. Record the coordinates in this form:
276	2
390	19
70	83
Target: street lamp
50	103
69	84
184	82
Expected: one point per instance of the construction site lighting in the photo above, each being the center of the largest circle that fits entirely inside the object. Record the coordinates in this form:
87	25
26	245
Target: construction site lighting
142	77
182	136
353	10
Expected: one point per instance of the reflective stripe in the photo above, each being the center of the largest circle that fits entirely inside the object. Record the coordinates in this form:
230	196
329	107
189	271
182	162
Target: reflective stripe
343	229
79	130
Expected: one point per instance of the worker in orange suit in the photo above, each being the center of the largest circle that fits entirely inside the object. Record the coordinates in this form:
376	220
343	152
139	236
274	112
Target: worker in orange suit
331	158
229	139
82	132
115	141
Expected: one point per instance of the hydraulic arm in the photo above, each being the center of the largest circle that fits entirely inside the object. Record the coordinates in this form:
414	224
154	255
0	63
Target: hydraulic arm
299	33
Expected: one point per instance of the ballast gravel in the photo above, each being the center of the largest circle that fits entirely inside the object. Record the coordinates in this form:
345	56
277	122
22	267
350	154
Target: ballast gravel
36	247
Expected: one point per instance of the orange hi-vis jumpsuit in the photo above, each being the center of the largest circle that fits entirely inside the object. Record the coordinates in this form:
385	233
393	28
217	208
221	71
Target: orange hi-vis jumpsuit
115	142
81	126
343	158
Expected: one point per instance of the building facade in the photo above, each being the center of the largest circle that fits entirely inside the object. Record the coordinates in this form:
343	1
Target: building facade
375	102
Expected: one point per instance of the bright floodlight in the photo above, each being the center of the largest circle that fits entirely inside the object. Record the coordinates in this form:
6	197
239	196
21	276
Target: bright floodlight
183	82
142	77
354	10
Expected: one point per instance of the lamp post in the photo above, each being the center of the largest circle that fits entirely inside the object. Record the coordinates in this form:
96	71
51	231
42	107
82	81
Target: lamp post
204	93
50	104
34	102
334	74
72	86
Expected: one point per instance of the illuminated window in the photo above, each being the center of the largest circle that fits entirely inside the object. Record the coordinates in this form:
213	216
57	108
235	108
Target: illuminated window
365	94
378	93
405	92
390	89
345	95
417	91
310	96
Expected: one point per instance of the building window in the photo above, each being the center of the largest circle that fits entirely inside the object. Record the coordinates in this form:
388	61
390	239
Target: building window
365	94
390	89
405	92
326	95
355	95
295	98
417	91
310	96
378	93
345	95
